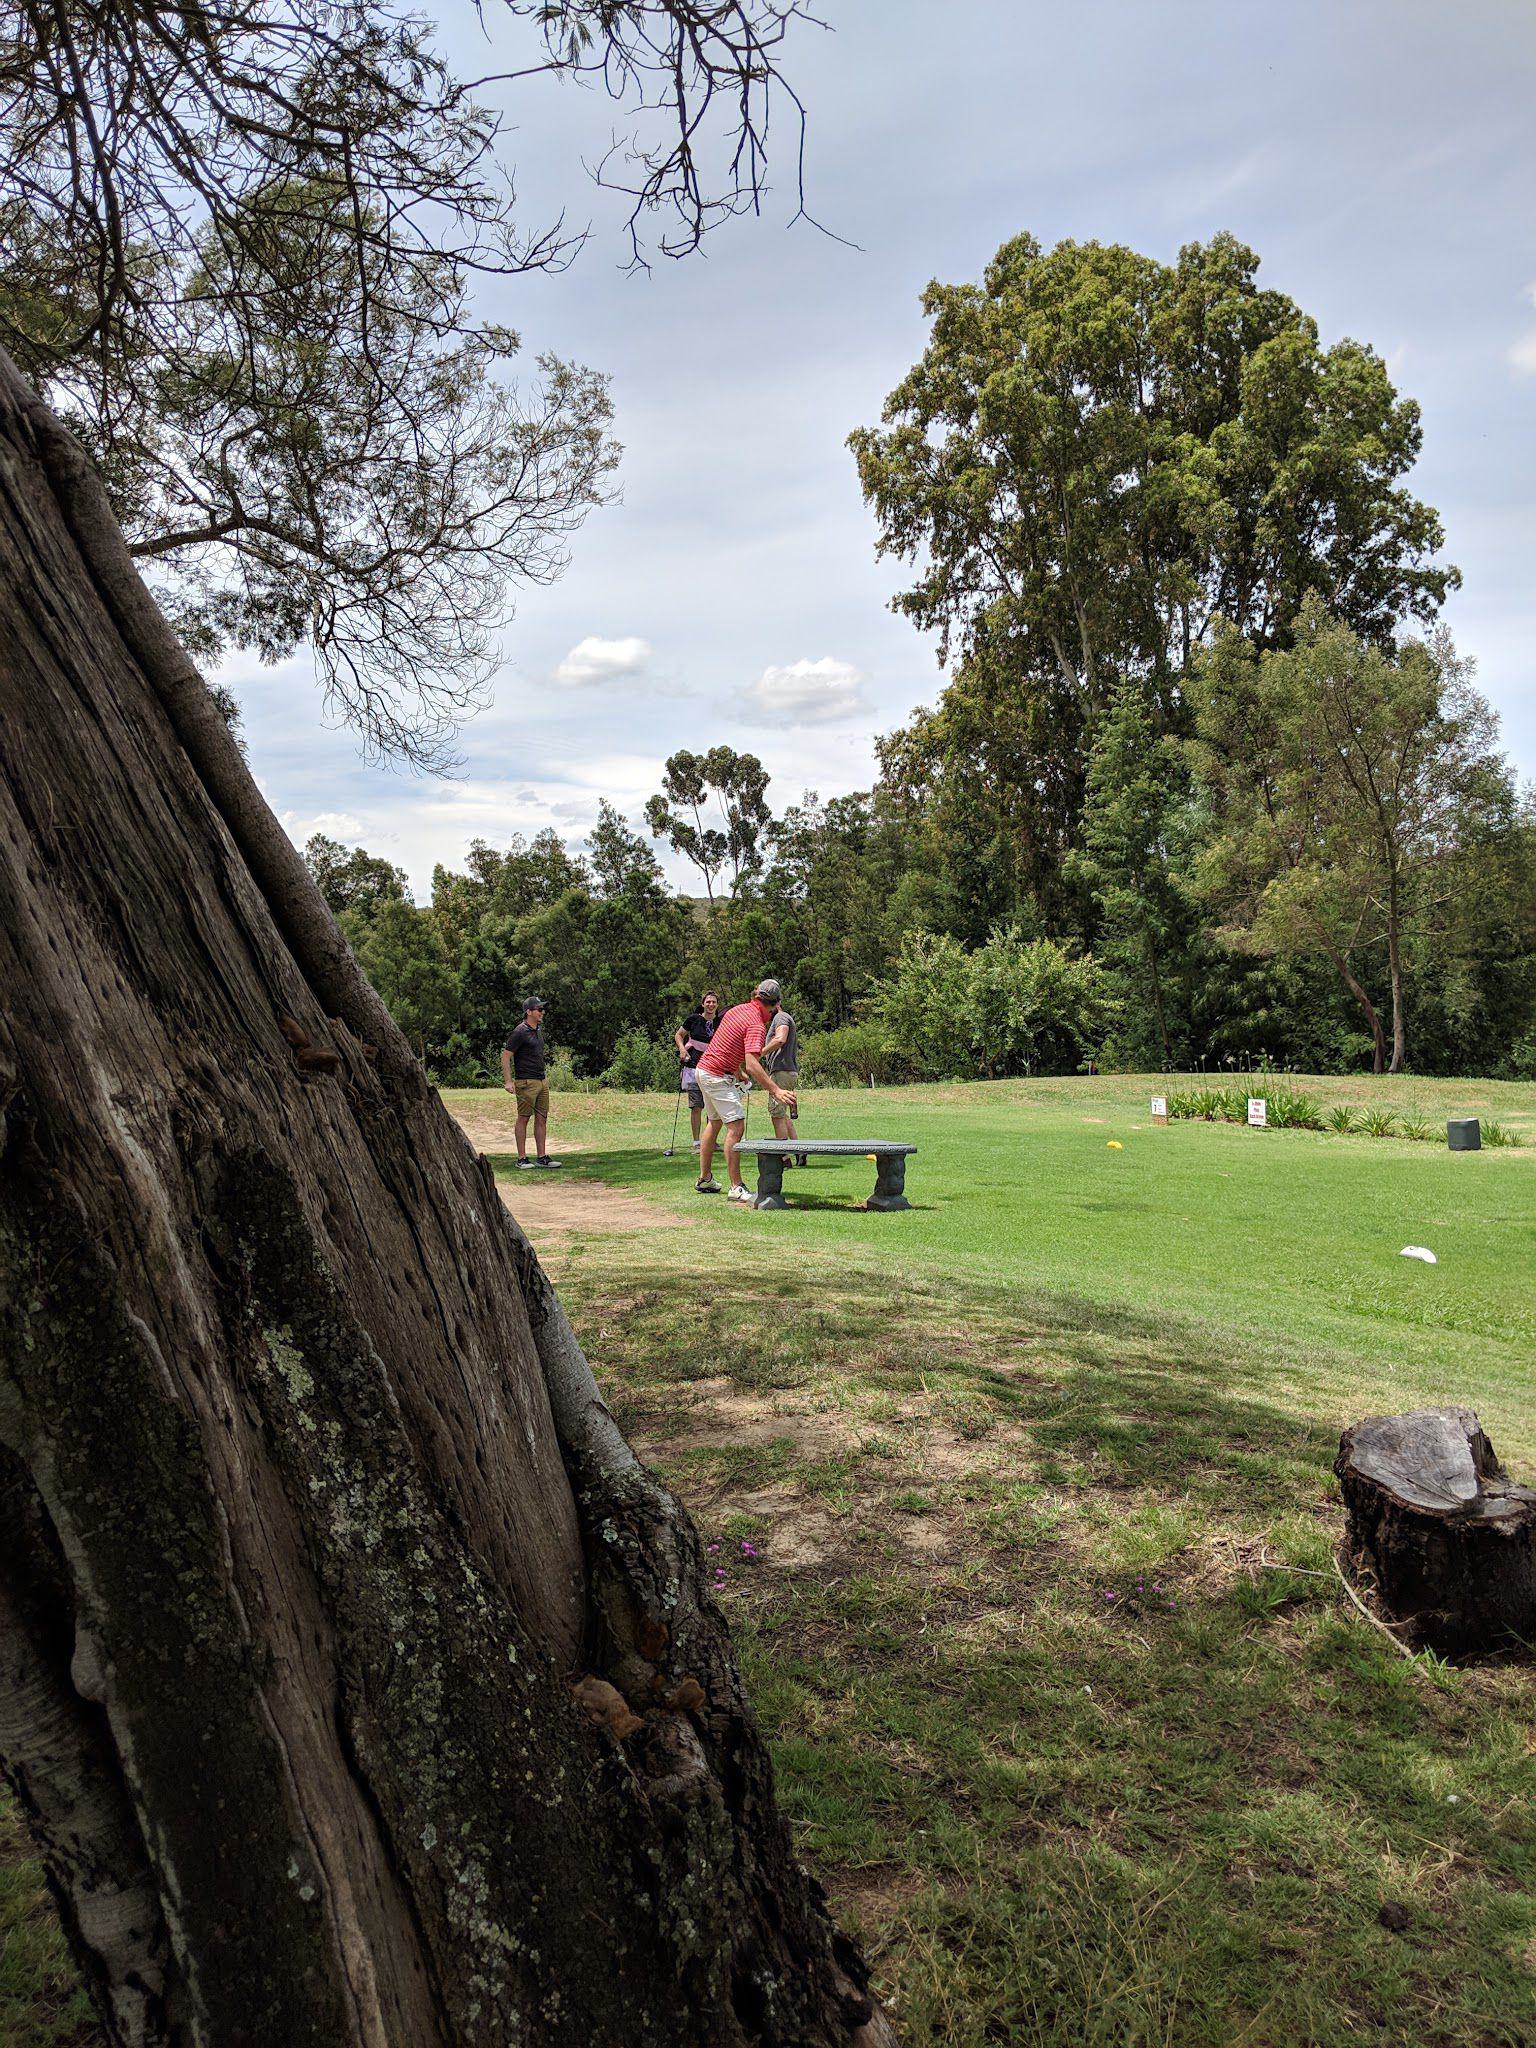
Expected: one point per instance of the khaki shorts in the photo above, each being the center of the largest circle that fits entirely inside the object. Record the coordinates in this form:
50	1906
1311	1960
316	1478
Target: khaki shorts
786	1077
532	1098
722	1096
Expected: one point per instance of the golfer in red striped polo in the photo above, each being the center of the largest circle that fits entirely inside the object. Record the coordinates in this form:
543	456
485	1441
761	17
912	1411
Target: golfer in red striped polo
733	1054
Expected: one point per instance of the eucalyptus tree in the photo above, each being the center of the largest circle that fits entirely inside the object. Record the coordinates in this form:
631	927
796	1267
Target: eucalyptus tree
1096	456
1353	785
239	250
712	808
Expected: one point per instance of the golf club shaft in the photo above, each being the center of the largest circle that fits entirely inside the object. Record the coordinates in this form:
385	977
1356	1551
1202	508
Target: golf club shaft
676	1108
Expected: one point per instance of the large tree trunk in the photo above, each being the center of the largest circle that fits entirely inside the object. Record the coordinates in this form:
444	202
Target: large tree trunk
310	1511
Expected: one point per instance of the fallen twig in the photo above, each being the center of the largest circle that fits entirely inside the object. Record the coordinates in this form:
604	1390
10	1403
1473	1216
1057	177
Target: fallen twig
1376	1622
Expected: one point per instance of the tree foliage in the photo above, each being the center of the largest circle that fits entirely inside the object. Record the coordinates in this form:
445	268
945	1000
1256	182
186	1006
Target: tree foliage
239	247
732	836
1351	783
1096	457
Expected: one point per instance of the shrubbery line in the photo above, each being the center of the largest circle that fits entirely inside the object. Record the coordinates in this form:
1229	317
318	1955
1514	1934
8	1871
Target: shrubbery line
1289	1111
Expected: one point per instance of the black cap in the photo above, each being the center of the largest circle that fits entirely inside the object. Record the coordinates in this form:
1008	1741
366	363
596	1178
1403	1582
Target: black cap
533	1003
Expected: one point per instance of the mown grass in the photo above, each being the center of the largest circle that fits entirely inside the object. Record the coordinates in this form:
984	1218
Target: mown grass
42	2004
1218	1229
1067	1706
1026	1520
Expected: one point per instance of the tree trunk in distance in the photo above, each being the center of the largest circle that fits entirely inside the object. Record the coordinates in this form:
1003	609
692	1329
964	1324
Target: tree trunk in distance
311	1515
1395	958
1448	1539
1372	1017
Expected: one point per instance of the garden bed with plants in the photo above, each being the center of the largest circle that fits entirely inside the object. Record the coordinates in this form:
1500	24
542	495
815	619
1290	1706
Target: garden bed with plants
1287	1109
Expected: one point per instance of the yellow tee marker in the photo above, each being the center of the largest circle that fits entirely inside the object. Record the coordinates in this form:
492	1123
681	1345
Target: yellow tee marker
1114	1145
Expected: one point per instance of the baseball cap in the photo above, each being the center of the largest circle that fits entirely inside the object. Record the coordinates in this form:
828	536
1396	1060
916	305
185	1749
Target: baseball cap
768	990
534	1003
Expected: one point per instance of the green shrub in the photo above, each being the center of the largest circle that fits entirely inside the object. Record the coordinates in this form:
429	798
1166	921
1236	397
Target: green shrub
846	1057
1290	1111
1340	1118
1014	1006
560	1069
1210	1105
640	1062
1496	1134
459	1064
1378	1123
1413	1124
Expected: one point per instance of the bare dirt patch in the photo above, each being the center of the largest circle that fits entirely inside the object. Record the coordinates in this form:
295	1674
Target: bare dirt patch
552	1209
736	1418
801	1534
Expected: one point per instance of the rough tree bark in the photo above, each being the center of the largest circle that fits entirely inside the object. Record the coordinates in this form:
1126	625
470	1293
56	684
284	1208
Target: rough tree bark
1447	1538
310	1511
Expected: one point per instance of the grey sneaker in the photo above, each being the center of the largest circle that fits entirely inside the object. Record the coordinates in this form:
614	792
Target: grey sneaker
708	1187
545	1160
525	1162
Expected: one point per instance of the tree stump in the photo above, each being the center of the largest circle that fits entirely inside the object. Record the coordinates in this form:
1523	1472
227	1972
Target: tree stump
1448	1537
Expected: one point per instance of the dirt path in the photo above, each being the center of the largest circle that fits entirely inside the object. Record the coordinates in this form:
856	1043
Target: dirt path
553	1209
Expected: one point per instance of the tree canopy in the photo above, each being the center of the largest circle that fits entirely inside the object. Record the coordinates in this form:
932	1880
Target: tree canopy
1096	458
238	253
1348	780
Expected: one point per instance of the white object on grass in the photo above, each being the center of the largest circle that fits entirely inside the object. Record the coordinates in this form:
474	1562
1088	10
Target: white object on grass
1419	1251
1258	1112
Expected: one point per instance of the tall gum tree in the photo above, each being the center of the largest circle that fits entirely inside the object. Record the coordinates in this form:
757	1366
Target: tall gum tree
1097	457
315	1524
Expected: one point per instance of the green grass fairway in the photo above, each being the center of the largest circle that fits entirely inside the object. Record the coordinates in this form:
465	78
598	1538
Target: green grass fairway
1025	1516
1290	1238
1022	1509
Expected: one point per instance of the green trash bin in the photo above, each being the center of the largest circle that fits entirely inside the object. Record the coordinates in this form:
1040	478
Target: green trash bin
1464	1134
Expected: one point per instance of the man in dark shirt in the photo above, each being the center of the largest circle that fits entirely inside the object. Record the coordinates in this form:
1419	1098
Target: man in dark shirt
522	1070
692	1038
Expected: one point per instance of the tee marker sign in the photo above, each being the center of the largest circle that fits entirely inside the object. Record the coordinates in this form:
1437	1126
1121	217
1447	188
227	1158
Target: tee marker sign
1159	1109
1258	1112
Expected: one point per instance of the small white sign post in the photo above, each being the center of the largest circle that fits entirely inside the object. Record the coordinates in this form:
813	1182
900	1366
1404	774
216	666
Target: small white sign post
1159	1109
1258	1112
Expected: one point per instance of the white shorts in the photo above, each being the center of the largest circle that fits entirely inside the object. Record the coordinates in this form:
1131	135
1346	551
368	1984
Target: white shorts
722	1095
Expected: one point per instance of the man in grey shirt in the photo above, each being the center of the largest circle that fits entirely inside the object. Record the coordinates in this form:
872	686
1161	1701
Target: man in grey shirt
781	1058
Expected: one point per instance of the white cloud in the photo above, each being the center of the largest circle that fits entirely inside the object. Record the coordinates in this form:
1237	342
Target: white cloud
1522	353
803	693
595	660
343	825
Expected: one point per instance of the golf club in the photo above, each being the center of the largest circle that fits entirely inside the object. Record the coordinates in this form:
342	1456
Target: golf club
672	1141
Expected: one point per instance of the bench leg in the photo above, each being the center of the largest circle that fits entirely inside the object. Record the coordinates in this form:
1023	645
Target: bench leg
770	1181
890	1183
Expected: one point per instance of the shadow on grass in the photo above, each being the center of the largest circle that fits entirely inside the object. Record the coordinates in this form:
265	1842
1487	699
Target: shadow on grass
1066	1803
639	1168
1129	1400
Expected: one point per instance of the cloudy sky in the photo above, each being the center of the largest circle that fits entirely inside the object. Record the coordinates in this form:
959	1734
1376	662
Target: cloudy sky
1379	154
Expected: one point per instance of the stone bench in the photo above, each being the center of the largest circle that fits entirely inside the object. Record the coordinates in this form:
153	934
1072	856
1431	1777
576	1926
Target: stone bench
890	1166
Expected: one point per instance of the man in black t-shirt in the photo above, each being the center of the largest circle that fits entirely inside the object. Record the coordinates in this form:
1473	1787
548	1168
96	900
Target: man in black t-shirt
522	1070
692	1038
